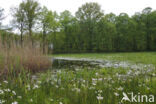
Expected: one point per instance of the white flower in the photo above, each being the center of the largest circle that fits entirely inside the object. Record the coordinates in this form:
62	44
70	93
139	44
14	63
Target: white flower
76	89
84	81
52	83
14	92
35	86
51	100
14	102
74	84
59	71
94	79
99	97
2	101
153	74
91	87
31	100
109	79
100	79
60	103
56	86
100	91
5	81
96	74
148	88
7	90
94	83
120	88
96	92
34	77
19	97
1	92
116	94
137	73
83	85
28	86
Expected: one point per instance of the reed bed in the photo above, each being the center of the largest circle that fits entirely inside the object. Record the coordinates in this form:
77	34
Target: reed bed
15	58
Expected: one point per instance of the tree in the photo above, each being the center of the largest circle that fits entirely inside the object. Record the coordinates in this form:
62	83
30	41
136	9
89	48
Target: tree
125	31
1	16
66	20
88	15
140	33
49	25
89	11
146	19
152	30
45	20
32	11
54	26
110	18
19	20
106	34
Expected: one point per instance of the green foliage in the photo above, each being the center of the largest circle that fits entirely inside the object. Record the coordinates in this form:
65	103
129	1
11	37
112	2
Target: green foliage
79	87
19	21
89	12
88	16
88	31
92	31
31	11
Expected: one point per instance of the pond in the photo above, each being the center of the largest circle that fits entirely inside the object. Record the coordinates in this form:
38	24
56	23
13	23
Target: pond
80	63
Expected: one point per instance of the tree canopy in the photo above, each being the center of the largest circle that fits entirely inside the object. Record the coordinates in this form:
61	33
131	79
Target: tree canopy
90	30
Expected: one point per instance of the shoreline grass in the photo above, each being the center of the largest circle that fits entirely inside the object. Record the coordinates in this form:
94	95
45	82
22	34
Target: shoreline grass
137	57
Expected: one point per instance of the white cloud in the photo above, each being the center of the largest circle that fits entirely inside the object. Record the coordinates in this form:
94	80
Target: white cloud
115	6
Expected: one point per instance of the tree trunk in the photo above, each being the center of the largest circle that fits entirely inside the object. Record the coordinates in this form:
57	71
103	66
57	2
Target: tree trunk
31	38
21	36
44	36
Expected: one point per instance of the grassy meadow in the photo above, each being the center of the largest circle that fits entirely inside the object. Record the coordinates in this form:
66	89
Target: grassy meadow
82	85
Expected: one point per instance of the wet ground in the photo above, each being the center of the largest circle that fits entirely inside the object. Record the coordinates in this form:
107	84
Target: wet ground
74	63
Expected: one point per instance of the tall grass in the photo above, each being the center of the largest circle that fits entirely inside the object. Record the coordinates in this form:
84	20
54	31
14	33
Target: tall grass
15	59
83	86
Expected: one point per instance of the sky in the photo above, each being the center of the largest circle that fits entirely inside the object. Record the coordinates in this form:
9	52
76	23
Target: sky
114	6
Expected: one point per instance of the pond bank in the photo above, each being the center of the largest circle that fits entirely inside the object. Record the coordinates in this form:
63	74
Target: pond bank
61	62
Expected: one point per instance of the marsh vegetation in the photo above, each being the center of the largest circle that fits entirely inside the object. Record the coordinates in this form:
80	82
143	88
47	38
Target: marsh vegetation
33	72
